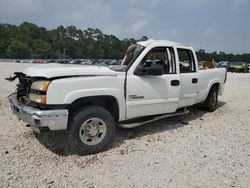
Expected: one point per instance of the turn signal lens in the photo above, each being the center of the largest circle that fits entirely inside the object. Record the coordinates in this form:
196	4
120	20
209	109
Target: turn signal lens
46	85
43	99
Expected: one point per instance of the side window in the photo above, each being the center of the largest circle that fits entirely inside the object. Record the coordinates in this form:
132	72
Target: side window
163	56
186	61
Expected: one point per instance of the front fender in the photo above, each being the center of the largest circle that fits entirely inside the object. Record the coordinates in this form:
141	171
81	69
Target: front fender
67	90
74	95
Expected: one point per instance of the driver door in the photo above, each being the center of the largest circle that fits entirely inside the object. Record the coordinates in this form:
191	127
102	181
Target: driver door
154	94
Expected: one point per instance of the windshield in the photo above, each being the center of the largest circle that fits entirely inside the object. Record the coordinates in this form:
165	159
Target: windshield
131	55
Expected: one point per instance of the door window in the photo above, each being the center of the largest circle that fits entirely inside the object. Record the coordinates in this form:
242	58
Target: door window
162	56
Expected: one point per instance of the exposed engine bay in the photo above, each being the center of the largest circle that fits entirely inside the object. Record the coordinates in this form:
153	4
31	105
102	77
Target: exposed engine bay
23	86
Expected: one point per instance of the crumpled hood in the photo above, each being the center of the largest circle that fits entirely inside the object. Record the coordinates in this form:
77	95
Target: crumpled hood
59	70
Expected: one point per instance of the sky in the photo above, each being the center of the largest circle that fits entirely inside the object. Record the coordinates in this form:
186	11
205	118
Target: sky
221	25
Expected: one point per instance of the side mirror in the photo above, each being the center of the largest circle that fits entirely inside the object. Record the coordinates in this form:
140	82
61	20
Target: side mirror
153	70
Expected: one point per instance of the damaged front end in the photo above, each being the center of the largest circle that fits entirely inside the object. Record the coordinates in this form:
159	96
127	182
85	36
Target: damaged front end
23	86
24	108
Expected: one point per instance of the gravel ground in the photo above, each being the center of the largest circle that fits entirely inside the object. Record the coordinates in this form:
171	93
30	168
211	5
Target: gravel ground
199	149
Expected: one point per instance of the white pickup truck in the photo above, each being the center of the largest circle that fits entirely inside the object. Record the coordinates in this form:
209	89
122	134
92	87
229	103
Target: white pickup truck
157	79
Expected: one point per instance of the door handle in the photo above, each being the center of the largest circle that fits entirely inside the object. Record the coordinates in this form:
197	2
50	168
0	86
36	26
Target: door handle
175	82
195	80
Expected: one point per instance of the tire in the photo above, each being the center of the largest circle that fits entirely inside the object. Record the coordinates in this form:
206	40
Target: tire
91	130
210	104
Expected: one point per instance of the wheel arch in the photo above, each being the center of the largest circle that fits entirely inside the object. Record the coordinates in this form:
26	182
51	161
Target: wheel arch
108	102
212	84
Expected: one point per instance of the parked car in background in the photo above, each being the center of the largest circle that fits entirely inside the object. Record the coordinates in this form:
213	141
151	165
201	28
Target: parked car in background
86	62
32	61
23	61
39	61
76	61
239	67
51	61
62	61
224	64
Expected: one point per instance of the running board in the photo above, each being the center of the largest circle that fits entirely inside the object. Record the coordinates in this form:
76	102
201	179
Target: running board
155	118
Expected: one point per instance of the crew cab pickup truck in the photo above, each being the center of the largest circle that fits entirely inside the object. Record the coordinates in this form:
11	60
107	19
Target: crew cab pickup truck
157	79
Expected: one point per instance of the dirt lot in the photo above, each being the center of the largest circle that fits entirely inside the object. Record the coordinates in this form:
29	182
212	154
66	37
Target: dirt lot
195	150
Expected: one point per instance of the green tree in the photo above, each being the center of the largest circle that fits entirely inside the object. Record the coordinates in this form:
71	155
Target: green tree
18	50
42	49
31	41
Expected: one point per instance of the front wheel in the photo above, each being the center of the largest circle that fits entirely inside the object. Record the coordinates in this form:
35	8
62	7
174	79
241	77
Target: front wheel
91	130
211	101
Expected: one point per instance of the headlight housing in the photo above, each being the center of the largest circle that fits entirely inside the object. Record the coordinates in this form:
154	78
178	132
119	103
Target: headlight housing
38	90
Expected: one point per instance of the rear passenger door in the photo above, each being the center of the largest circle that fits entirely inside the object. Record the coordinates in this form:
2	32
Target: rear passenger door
189	77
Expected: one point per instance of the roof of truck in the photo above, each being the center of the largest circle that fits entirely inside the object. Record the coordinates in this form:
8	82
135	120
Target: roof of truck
160	43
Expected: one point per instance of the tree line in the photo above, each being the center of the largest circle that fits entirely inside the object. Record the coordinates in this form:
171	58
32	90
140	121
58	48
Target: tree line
31	41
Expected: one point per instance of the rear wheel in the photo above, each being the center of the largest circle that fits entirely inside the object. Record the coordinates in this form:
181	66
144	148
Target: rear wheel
91	130
211	101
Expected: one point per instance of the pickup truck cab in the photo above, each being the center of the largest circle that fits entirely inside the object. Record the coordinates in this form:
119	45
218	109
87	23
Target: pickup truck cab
157	79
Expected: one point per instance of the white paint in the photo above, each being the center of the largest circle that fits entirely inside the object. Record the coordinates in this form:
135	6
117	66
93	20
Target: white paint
152	94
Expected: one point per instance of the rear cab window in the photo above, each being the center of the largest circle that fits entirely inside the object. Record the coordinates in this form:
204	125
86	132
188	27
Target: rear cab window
186	60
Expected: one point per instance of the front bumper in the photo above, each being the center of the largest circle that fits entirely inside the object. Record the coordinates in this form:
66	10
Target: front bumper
53	119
